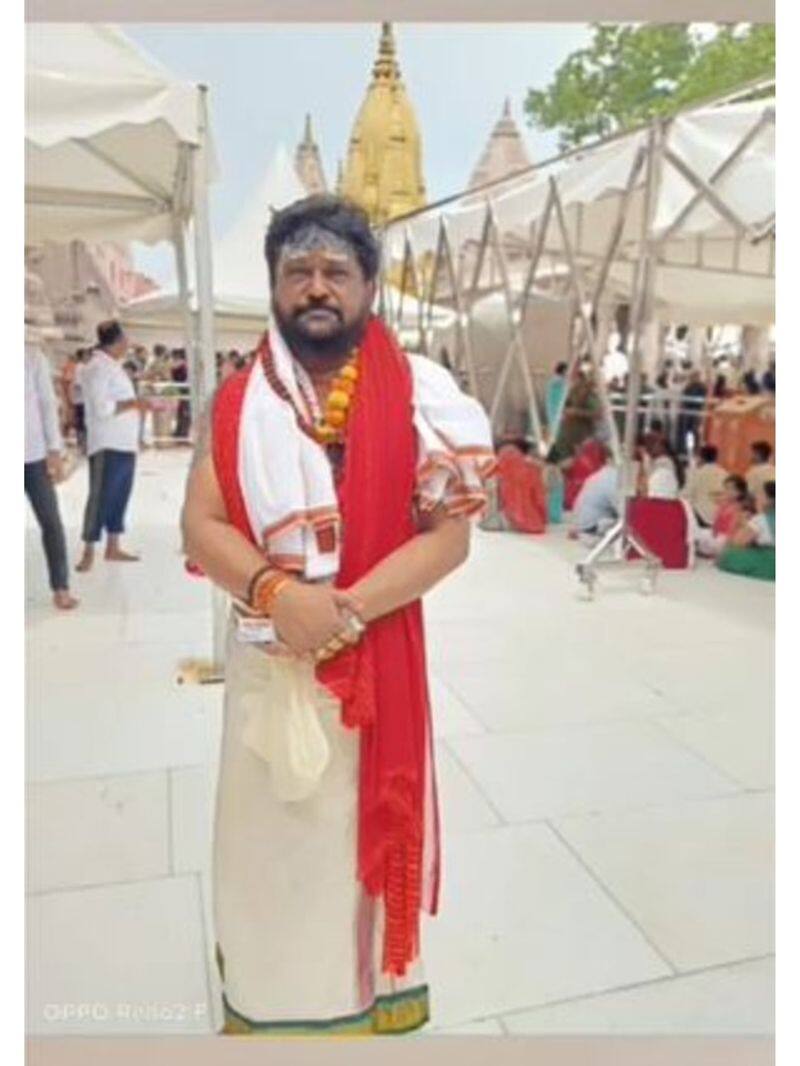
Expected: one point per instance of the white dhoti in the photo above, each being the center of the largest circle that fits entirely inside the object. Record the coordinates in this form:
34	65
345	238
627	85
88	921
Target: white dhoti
299	943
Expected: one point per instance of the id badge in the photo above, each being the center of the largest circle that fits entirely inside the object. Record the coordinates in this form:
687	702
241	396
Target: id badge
255	630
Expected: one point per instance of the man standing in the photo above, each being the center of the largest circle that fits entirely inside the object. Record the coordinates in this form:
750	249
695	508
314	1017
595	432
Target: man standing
333	491
180	376
693	402
556	390
112	431
76	398
44	467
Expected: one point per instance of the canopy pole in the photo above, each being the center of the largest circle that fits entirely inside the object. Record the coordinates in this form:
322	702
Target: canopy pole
190	340
202	248
620	538
205	351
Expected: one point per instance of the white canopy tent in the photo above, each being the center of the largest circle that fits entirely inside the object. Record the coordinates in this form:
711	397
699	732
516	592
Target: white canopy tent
587	216
241	285
118	149
676	219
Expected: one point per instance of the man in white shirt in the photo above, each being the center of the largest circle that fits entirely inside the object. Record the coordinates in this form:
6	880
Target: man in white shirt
112	441
661	469
704	485
44	467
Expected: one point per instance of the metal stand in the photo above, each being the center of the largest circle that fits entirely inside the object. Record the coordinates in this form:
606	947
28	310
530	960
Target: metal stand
617	542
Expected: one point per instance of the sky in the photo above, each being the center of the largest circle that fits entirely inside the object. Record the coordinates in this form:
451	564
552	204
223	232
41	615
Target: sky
264	78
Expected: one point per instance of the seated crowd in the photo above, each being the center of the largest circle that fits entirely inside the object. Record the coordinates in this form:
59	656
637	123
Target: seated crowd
729	518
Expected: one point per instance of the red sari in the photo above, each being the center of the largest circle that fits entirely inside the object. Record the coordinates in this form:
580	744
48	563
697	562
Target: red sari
521	491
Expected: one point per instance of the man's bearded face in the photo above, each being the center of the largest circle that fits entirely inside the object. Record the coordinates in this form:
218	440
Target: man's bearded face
321	300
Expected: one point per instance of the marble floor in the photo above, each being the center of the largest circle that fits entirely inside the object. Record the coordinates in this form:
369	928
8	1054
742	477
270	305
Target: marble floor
606	779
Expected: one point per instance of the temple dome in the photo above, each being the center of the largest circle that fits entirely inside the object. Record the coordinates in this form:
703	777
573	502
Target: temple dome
504	154
383	169
308	162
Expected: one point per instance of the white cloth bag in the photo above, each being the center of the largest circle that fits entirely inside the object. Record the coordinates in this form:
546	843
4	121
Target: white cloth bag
282	701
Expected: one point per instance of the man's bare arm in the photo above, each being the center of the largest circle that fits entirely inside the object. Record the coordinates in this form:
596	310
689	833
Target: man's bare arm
225	554
305	616
415	567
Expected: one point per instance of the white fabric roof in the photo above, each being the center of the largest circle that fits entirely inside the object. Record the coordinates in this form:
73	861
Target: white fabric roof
241	287
107	135
708	274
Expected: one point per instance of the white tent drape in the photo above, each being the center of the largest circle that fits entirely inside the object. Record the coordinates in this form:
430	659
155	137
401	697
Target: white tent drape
119	149
108	135
712	265
241	285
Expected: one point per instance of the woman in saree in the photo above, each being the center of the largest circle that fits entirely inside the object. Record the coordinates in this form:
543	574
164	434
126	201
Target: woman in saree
522	495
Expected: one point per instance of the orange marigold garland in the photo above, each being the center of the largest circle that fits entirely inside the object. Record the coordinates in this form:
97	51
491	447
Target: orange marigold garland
330	428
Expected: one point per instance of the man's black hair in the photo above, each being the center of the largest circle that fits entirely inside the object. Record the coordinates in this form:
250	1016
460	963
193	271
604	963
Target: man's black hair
109	333
709	453
769	490
762	450
561	368
338	216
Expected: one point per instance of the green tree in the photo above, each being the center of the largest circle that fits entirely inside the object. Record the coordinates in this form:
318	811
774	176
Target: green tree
631	73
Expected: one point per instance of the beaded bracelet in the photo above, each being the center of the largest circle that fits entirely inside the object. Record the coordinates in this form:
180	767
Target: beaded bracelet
254	580
266	590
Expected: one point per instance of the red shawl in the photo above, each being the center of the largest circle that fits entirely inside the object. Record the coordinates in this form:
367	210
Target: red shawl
382	683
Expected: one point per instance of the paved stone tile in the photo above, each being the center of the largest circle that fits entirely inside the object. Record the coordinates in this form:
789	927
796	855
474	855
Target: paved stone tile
95	830
577	769
736	999
518	914
697	877
118	959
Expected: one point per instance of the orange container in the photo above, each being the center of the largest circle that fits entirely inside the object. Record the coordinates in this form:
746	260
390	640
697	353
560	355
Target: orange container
737	423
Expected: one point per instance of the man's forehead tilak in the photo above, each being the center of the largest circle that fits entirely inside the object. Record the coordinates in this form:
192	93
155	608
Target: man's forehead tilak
315	238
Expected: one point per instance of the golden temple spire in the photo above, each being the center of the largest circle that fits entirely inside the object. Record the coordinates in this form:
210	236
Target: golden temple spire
386	65
383	169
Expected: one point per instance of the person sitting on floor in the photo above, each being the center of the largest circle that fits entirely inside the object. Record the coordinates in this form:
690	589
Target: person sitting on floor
597	505
663	471
554	484
704	486
751	552
761	468
522	496
759	530
734	511
588	459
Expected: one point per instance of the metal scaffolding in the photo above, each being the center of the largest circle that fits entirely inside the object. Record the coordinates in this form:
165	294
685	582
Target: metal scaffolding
596	270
